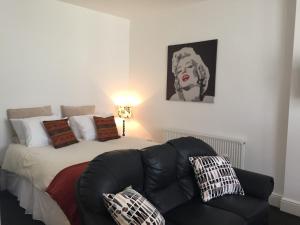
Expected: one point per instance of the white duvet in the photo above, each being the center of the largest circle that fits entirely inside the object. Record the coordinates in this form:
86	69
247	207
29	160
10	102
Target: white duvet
40	164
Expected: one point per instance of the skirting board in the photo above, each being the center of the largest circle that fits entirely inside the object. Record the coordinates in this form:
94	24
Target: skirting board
290	206
285	204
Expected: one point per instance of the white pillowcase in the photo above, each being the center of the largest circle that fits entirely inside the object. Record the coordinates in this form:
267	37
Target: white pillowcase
75	127
31	131
83	127
19	129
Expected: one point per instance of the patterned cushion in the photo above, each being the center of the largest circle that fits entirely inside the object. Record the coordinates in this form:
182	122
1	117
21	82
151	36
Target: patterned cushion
215	177
106	128
130	208
60	133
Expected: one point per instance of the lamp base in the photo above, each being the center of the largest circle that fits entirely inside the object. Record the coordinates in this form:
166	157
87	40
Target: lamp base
123	128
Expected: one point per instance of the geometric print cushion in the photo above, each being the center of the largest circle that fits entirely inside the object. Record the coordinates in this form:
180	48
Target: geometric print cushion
129	207
215	177
60	133
106	128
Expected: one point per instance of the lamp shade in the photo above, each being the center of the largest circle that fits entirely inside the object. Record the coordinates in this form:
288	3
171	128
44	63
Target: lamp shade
125	112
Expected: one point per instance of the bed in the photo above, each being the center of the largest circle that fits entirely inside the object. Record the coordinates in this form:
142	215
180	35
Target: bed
27	172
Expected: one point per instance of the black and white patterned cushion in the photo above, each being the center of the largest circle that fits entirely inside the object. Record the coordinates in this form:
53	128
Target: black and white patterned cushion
215	177
130	208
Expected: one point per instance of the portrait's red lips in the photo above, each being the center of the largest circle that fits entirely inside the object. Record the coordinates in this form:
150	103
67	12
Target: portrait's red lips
185	77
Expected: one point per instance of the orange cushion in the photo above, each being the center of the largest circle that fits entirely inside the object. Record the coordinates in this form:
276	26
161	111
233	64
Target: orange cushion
60	133
106	128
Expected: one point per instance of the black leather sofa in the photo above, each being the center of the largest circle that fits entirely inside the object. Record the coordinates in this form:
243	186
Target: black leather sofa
162	173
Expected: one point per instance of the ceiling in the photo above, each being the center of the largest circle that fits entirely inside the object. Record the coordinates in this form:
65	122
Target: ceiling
130	8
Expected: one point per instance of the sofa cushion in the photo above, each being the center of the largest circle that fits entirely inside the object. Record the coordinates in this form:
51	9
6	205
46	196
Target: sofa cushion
215	177
194	212
106	128
60	133
252	209
110	172
187	147
129	207
161	184
170	223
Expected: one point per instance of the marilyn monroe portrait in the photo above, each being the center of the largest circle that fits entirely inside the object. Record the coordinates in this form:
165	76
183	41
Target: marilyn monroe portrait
191	76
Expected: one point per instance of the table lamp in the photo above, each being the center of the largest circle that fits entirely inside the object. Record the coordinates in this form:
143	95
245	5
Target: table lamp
124	112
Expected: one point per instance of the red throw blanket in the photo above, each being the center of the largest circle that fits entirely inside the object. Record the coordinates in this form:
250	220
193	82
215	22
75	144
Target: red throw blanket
62	190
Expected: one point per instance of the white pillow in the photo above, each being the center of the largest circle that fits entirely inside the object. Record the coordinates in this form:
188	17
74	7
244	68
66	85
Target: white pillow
19	129
31	131
75	128
84	126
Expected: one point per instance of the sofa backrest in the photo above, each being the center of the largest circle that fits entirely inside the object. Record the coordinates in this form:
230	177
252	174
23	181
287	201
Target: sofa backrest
161	185
185	148
162	173
169	177
110	172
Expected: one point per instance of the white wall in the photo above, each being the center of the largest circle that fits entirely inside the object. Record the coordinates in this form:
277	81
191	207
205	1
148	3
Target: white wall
55	53
252	78
291	197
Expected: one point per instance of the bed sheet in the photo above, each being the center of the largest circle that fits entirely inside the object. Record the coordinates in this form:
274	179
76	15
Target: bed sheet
39	165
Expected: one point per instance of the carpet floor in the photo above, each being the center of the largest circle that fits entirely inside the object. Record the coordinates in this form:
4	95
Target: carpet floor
13	214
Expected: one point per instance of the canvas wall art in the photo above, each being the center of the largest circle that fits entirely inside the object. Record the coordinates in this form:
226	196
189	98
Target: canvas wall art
191	72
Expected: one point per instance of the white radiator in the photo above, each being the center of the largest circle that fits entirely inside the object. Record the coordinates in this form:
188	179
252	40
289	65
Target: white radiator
233	148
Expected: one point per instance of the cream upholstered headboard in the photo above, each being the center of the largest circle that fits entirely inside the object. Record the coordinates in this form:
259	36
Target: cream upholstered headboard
68	111
29	112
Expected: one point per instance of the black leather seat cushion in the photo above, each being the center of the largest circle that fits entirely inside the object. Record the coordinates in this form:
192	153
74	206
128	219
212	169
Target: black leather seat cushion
252	209
169	223
194	212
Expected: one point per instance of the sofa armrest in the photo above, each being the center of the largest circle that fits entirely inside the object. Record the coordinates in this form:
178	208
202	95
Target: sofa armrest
87	217
254	184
